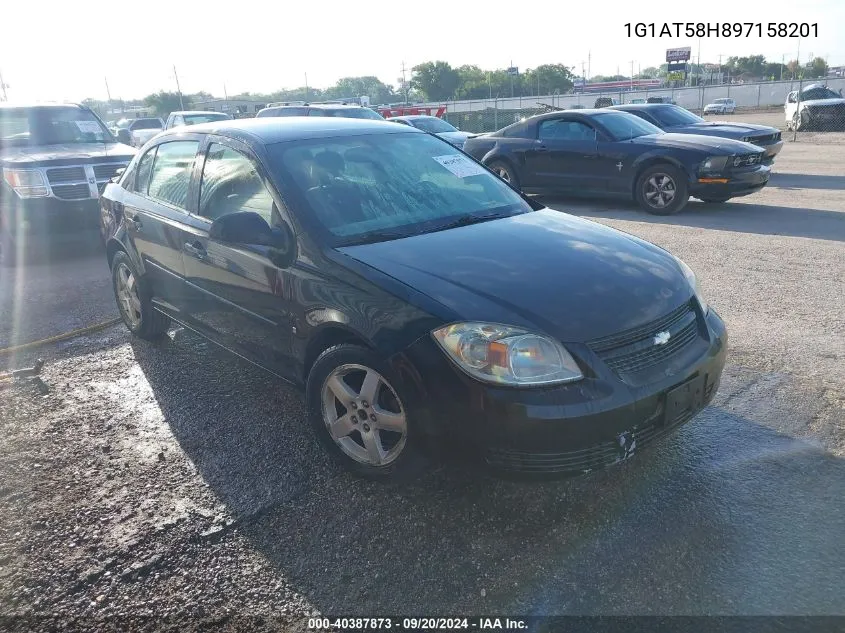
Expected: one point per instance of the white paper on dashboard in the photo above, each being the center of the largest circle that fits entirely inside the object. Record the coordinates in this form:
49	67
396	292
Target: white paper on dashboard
459	165
89	127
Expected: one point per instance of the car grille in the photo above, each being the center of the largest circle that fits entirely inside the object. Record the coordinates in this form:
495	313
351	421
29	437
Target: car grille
71	192
107	172
748	160
595	457
635	350
65	174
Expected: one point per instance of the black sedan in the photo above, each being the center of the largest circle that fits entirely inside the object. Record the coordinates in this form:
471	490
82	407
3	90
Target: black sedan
416	297
678	120
613	153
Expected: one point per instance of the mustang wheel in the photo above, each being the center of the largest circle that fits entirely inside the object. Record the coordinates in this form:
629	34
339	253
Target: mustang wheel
662	189
504	171
133	301
360	416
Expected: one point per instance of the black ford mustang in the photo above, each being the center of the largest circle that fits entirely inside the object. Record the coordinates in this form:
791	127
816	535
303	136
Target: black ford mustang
675	119
613	153
412	293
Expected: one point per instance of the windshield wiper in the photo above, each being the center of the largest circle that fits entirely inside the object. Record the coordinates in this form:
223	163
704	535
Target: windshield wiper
466	220
376	236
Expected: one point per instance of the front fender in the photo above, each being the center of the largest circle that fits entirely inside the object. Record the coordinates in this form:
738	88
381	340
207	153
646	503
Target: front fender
658	156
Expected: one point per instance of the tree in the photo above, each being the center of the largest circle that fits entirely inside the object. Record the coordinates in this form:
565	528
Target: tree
652	72
438	81
548	78
793	66
816	68
373	87
163	103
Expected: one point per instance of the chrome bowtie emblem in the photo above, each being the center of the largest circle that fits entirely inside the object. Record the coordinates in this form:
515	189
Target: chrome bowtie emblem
91	181
661	338
619	165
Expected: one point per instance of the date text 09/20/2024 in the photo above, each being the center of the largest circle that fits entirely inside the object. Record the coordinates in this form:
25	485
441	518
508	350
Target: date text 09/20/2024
721	29
417	624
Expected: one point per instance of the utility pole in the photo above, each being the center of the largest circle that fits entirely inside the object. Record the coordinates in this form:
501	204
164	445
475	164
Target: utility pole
178	89
306	86
225	98
588	65
108	92
3	87
511	76
632	74
404	83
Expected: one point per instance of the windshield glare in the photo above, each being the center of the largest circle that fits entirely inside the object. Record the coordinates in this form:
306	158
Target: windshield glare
51	126
623	126
433	125
403	184
675	115
354	113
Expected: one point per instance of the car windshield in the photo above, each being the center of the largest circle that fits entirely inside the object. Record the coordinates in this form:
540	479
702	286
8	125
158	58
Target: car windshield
819	93
145	124
384	186
51	126
675	115
196	119
353	113
623	126
433	125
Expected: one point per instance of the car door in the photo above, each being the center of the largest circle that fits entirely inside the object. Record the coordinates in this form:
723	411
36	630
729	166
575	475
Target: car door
565	155
155	210
236	294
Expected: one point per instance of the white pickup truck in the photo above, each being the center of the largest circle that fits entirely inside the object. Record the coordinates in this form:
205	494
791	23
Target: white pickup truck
136	132
818	107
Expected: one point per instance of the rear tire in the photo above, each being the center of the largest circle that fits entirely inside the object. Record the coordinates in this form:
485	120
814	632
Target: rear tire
504	171
132	293
662	189
359	413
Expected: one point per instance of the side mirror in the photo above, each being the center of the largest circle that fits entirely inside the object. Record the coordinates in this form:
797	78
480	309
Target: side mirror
117	174
124	136
249	228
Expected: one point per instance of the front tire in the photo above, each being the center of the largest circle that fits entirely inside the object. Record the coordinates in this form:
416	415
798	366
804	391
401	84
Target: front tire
504	171
360	415
131	291
662	189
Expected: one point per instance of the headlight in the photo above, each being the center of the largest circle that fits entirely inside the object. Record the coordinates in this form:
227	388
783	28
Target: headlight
693	282
27	183
714	164
507	355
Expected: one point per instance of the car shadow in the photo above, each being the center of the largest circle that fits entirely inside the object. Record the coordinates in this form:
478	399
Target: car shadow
806	181
712	520
762	219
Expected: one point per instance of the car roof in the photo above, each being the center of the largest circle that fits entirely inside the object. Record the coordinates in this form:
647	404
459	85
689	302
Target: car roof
14	106
579	112
268	130
641	106
413	117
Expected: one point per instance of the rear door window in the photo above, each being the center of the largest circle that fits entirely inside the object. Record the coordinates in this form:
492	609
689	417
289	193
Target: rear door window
142	174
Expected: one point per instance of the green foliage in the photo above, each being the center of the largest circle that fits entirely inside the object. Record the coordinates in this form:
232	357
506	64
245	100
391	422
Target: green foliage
163	103
437	81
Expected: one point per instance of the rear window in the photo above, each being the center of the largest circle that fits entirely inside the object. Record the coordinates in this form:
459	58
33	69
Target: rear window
196	119
51	126
283	112
353	113
145	124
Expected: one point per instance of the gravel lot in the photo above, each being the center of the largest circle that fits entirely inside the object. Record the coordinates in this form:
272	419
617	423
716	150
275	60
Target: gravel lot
171	486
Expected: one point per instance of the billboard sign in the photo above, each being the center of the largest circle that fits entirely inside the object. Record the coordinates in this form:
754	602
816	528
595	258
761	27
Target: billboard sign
676	76
678	54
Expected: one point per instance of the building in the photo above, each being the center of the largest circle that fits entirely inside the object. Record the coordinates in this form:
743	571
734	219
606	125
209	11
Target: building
246	107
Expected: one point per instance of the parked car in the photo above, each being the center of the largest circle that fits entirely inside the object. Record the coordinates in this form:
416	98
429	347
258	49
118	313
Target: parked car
660	100
819	108
614	153
604	102
194	117
413	295
637	101
55	160
321	109
136	132
672	118
721	106
434	125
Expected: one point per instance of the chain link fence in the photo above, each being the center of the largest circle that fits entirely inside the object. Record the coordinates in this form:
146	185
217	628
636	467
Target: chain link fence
808	110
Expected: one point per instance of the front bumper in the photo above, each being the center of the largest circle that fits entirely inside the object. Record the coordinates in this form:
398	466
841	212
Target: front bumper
565	429
48	218
772	150
739	183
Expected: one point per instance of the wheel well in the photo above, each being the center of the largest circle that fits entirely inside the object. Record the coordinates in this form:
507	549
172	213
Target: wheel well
651	162
326	338
111	250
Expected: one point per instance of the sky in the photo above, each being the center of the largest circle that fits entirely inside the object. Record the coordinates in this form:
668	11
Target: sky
265	46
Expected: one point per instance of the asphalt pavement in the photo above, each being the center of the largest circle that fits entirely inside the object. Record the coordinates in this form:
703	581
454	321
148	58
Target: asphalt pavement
173	480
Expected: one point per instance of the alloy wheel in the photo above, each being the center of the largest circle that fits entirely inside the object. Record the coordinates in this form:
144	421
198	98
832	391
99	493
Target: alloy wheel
127	295
363	415
659	190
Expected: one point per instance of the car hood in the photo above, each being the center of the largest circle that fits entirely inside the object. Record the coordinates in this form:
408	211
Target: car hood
723	129
454	137
70	153
711	144
571	278
822	102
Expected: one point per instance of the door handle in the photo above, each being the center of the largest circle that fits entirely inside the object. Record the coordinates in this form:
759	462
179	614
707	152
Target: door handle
195	249
541	148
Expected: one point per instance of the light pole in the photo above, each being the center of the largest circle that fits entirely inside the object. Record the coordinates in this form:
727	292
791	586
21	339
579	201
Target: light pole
178	89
